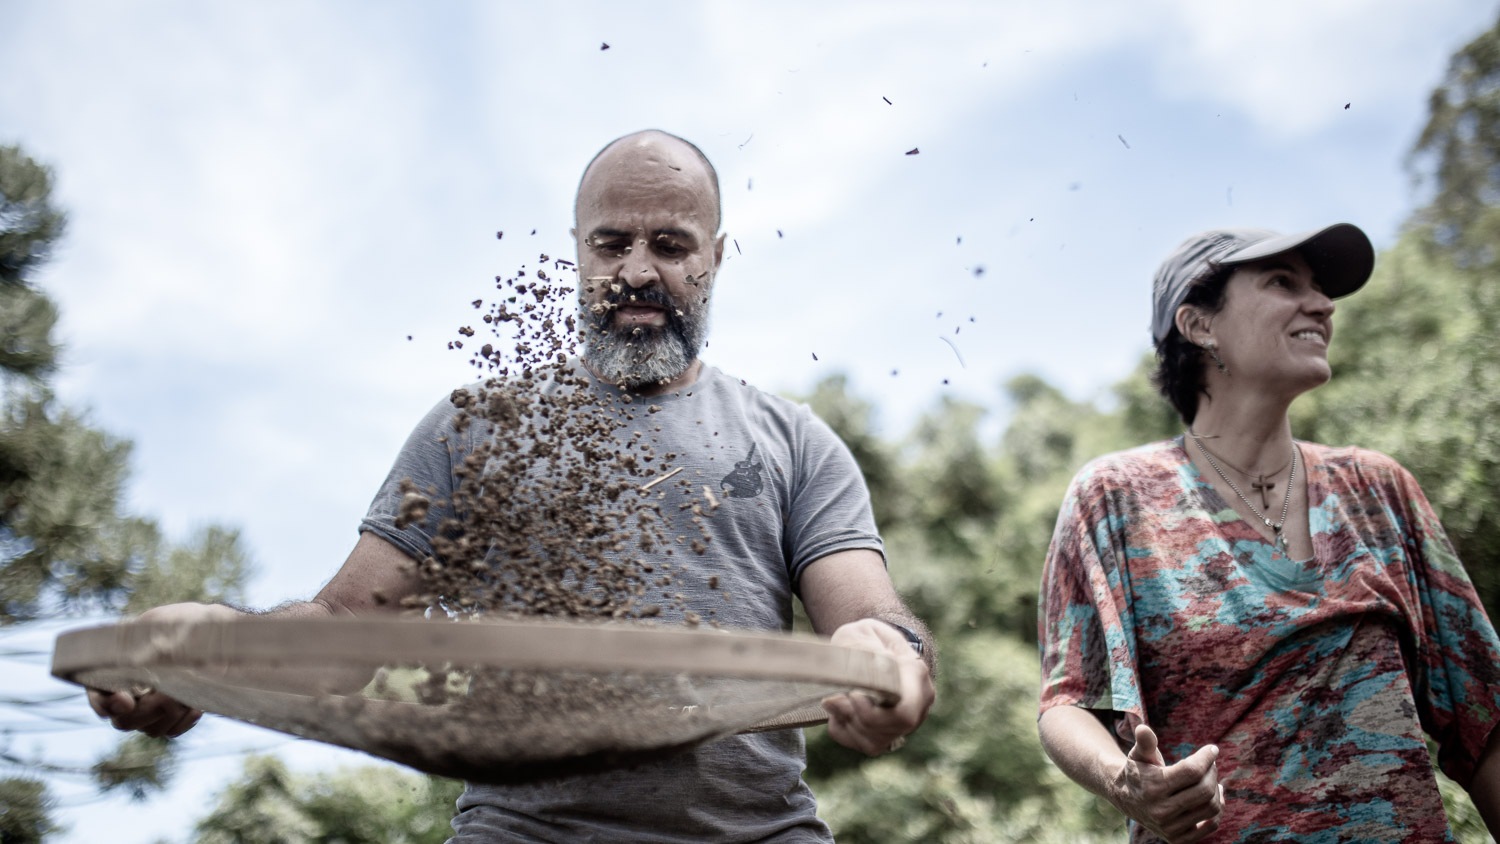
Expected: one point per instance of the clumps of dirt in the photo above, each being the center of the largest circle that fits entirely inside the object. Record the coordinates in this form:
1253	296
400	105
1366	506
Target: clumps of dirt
563	508
558	509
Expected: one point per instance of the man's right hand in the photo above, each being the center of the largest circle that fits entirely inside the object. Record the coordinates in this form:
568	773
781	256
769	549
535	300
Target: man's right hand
154	713
1182	802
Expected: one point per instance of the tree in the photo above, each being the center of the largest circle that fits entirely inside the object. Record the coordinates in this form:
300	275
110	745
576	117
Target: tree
372	804
29	227
66	543
25	812
1459	154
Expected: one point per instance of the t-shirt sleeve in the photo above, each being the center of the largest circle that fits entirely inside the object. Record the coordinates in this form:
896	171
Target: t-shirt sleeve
1458	682
428	459
830	504
1084	621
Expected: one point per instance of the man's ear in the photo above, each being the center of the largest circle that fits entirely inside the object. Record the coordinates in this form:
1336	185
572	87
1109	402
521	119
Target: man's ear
718	252
1195	325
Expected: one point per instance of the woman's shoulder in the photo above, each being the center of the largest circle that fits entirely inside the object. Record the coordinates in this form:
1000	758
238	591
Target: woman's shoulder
1133	467
1361	470
1351	458
1133	460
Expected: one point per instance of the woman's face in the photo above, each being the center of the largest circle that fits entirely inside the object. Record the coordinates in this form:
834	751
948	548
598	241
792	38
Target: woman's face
1275	326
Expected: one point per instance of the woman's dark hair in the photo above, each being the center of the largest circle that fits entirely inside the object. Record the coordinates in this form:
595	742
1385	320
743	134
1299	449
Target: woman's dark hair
1179	363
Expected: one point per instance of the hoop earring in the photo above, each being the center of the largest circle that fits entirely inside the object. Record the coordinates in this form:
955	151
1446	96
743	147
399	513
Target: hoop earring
1213	353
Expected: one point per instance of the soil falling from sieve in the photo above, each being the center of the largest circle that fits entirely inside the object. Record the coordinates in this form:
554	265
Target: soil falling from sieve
557	514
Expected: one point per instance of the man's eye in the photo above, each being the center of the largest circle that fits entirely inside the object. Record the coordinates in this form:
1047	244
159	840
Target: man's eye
611	247
668	247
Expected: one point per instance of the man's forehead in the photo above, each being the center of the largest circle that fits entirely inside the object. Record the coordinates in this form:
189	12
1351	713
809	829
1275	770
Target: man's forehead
645	174
649	169
652	149
637	198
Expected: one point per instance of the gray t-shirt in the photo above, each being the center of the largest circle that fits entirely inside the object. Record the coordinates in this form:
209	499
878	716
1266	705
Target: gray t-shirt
790	493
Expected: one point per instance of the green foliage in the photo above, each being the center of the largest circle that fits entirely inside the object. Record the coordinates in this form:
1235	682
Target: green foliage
140	765
955	493
29	223
211	567
1459	150
60	488
1468	826
29	228
27	318
366	805
25	812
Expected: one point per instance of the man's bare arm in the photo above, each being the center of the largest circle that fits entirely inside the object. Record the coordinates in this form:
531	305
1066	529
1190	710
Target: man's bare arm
849	597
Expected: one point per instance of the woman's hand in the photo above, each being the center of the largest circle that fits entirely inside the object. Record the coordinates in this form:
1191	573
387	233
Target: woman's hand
1180	802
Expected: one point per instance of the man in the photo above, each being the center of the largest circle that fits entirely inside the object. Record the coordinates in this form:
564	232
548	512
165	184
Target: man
794	519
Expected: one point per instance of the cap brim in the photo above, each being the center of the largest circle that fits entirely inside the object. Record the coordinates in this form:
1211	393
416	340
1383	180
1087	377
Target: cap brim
1340	256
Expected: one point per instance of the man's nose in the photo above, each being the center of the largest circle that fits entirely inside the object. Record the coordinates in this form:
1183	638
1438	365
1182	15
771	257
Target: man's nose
639	269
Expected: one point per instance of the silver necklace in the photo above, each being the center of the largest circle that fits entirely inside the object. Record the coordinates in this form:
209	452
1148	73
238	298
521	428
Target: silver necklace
1286	503
1257	481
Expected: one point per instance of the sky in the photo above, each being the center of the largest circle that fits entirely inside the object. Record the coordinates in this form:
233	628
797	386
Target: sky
279	212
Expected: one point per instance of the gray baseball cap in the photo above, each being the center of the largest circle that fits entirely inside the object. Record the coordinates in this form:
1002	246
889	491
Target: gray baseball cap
1340	256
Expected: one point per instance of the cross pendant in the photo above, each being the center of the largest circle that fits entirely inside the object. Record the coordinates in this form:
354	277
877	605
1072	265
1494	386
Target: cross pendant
1262	487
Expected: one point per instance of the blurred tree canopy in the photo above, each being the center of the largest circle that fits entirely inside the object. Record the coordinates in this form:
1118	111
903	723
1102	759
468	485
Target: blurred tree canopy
67	546
366	805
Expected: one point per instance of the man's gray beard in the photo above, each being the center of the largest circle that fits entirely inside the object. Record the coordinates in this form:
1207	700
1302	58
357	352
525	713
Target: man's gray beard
653	356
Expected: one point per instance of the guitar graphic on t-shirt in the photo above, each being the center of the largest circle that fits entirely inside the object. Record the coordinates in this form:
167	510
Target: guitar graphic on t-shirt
744	481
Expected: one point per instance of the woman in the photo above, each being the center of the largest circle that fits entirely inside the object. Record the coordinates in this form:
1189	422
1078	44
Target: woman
1245	637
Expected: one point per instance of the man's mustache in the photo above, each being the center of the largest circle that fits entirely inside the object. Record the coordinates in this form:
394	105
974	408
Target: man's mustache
603	311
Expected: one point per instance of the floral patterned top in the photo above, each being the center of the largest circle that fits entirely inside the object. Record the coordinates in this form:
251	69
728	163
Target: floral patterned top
1316	679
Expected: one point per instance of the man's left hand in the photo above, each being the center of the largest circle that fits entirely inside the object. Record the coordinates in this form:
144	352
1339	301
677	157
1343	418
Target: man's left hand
861	722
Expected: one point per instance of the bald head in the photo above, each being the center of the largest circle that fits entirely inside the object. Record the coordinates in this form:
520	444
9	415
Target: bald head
650	157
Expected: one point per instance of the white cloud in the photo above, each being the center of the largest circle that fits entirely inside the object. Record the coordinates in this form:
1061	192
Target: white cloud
1291	65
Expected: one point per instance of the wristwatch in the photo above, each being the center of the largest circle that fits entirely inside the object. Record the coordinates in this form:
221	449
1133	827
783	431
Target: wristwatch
911	636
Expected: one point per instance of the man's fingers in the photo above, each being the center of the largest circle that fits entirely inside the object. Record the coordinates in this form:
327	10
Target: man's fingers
108	704
154	714
186	722
863	723
844	728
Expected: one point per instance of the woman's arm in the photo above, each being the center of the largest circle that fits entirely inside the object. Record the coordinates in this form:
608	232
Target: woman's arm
1181	802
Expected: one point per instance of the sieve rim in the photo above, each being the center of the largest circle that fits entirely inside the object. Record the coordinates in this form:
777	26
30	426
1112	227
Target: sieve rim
499	643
